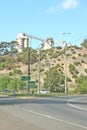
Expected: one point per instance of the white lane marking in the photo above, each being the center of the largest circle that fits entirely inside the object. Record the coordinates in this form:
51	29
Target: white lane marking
54	118
74	106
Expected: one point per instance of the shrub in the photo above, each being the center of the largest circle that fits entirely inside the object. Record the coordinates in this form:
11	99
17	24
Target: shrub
68	79
86	70
82	84
85	55
55	55
10	74
34	69
71	68
73	57
79	54
77	63
41	70
83	61
17	71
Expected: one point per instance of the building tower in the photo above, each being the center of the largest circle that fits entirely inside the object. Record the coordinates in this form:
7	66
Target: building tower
22	40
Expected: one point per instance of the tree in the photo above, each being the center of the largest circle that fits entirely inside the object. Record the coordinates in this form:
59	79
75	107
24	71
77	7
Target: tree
12	46
12	84
4	48
4	81
23	57
15	84
54	80
84	44
82	84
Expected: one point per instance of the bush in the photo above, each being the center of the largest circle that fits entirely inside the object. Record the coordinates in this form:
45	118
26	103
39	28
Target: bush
77	63
12	84
82	84
17	71
86	70
82	89
71	68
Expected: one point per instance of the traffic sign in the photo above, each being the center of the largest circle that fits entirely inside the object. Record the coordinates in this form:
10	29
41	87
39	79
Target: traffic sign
25	78
31	83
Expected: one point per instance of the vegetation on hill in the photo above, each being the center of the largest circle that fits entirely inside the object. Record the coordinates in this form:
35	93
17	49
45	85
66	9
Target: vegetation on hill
54	63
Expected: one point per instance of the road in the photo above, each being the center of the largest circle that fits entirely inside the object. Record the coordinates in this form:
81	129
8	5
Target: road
48	113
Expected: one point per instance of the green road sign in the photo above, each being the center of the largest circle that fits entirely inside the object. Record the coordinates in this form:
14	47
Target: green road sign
25	78
31	83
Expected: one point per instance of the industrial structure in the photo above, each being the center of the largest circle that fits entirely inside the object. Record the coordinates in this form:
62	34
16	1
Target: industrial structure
22	40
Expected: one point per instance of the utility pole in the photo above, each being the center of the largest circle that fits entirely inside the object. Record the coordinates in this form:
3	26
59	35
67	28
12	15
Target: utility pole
39	63
38	91
48	65
28	48
42	40
65	67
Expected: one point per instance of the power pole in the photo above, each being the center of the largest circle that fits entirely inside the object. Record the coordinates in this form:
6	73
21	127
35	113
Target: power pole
42	40
27	89
38	91
65	68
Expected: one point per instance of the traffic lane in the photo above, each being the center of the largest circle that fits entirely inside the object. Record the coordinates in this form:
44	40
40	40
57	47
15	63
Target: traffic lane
16	118
79	103
58	109
10	121
55	112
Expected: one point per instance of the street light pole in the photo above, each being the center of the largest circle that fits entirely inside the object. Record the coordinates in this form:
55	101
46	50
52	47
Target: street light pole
28	59
49	76
38	91
27	89
39	63
65	67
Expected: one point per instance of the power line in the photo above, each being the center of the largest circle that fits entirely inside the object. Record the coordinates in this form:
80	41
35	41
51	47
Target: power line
79	38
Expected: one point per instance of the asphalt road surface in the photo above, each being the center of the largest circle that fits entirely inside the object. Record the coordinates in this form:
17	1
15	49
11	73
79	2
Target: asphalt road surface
51	113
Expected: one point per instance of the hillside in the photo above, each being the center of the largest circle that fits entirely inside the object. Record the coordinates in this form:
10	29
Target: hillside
72	60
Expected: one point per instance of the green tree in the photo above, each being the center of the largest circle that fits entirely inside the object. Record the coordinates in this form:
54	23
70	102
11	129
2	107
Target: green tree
54	80
84	44
4	48
12	84
82	84
12	46
4	81
23	57
15	84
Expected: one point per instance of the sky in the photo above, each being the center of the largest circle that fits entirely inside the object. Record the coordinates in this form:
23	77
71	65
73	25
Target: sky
44	18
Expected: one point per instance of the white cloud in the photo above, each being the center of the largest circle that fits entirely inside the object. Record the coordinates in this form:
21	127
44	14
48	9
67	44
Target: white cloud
53	9
64	5
68	4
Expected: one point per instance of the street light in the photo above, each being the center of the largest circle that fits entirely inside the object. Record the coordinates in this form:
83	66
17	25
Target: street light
65	67
48	65
39	63
38	91
42	40
27	88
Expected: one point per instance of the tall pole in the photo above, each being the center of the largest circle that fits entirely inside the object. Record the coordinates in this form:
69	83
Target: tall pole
49	76
28	90
65	67
39	63
39	72
28	59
